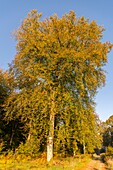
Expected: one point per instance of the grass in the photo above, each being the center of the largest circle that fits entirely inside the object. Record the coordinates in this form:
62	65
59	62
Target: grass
22	162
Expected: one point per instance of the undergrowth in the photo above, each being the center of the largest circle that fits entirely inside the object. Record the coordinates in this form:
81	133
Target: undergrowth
23	162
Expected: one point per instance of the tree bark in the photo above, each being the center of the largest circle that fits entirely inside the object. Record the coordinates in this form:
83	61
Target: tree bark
29	134
51	130
84	147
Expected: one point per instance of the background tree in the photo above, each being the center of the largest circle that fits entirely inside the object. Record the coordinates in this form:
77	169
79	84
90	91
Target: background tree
10	130
108	132
57	71
89	130
3	94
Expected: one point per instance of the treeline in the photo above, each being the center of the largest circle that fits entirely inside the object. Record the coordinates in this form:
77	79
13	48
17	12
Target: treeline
47	95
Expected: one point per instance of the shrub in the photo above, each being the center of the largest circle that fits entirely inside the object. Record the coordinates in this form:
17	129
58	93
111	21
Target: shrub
109	151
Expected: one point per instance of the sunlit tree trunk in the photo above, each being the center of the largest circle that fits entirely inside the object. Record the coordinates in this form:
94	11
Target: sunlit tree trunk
29	134
84	147
51	130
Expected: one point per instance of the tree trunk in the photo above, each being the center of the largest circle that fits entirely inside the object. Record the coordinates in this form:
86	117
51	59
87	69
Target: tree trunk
51	130
29	134
84	147
11	139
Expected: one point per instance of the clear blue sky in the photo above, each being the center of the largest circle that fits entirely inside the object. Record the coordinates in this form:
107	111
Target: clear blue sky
14	11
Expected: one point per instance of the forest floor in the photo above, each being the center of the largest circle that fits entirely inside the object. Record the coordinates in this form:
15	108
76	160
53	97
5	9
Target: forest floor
26	163
95	164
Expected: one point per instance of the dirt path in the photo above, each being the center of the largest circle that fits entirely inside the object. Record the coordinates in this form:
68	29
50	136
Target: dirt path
96	164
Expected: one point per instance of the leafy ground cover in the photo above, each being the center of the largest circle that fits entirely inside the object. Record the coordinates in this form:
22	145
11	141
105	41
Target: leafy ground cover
22	162
108	157
110	164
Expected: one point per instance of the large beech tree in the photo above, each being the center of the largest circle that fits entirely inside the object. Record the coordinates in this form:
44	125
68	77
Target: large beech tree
57	70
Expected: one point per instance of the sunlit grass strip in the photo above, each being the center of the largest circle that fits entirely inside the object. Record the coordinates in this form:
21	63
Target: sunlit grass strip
22	162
